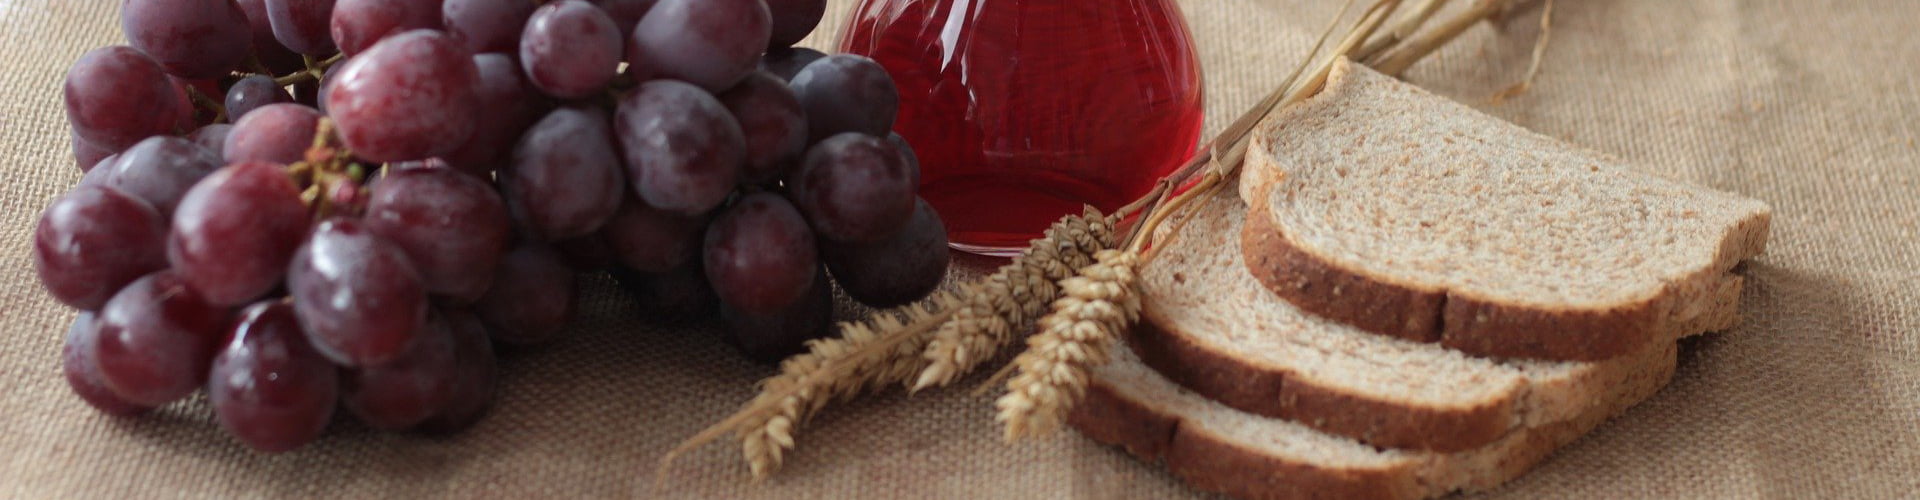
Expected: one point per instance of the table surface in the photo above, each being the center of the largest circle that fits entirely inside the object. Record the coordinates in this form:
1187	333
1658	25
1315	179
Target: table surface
1811	105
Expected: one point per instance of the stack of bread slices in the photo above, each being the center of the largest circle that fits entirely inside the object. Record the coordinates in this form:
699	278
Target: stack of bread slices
1405	298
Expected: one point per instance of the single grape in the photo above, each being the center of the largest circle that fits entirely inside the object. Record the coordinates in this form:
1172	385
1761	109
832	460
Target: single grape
94	241
681	292
626	13
508	106
251	93
452	226
358	297
650	239
570	49
787	62
907	156
854	188
793	20
116	96
303	25
487	26
266	48
771	336
409	389
83	375
86	155
760	256
358	24
213	138
896	270
565	177
235	231
268	386
190	38
159	170
710	43
157	338
683	149
275	133
774	125
590	253
531	298
475	375
846	93
411	96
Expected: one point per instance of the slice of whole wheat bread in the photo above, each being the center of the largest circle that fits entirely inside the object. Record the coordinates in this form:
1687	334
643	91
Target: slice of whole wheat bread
1406	214
1220	449
1210	326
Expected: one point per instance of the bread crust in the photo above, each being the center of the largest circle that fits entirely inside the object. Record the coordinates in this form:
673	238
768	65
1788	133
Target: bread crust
1275	392
1217	463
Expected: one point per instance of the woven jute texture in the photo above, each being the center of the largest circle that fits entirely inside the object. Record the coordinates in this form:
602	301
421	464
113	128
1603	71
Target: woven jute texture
1811	105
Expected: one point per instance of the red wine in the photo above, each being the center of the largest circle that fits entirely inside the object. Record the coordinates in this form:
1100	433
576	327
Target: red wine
1022	111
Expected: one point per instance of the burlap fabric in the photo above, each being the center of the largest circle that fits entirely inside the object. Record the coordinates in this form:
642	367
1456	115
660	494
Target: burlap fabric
1813	106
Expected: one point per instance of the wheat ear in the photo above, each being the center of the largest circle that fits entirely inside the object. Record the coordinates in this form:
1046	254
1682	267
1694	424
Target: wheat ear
1098	304
1010	299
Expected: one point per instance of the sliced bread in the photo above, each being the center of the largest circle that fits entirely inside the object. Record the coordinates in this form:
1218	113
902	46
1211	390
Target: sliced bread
1220	449
1406	214
1210	326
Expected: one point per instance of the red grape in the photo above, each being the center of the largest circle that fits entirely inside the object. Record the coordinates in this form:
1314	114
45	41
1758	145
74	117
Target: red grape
410	97
408	389
907	156
302	25
650	239
771	336
683	149
275	133
854	188
358	24
508	106
236	230
83	375
268	385
190	38
760	256
846	93
487	25
570	49
895	270
710	43
159	170
117	96
157	338
793	20
565	177
588	253
358	297
251	93
475	375
94	241
774	125
452	226
99	175
531	298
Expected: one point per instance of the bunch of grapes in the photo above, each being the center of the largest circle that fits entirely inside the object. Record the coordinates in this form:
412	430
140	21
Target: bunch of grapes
300	205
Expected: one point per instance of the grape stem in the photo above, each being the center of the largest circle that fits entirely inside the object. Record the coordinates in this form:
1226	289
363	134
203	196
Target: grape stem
199	99
315	70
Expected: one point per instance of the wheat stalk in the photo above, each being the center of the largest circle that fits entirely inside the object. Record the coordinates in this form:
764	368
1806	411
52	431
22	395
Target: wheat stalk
1097	303
1014	297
